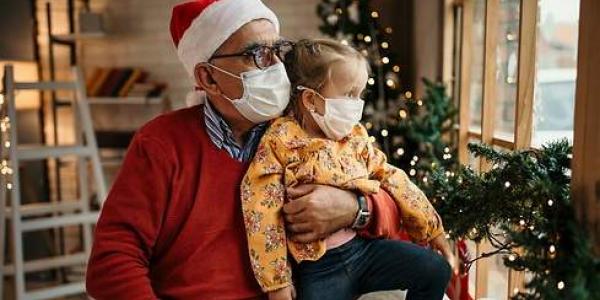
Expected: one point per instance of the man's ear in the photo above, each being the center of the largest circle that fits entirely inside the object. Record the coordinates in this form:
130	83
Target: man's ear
204	79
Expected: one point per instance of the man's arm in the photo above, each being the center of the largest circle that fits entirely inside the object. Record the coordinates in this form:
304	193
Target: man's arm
129	224
319	210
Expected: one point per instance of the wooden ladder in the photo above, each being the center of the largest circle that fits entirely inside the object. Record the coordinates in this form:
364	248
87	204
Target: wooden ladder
32	217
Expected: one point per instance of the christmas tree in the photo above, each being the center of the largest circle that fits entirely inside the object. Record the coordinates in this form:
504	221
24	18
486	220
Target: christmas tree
414	133
523	208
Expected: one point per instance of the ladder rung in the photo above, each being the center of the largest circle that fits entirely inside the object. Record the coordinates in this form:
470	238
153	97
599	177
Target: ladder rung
52	222
35	209
49	263
45	85
42	152
58	291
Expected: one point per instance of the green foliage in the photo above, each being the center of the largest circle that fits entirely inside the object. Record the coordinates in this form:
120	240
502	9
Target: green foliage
523	203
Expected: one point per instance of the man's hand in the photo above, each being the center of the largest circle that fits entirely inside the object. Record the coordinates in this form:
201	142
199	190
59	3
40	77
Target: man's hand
286	293
315	211
441	244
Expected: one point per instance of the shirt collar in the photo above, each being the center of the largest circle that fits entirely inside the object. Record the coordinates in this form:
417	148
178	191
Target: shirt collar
220	132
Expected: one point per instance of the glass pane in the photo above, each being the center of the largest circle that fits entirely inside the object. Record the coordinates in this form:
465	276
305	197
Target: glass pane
556	72
507	54
476	86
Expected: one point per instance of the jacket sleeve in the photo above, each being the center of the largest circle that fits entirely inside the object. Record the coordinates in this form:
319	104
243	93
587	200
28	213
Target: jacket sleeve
263	193
129	224
417	215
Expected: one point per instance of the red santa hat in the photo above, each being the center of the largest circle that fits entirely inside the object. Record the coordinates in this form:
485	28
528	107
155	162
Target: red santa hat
200	27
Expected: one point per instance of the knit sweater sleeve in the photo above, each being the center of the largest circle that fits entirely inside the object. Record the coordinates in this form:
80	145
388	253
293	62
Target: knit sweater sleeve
129	224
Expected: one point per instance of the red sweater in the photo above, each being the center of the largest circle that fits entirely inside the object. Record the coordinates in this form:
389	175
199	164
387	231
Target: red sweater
172	227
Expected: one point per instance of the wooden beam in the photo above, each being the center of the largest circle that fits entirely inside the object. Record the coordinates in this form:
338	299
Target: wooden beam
526	73
524	103
448	45
465	80
488	111
586	161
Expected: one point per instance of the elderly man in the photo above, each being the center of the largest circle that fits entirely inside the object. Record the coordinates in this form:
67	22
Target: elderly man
172	226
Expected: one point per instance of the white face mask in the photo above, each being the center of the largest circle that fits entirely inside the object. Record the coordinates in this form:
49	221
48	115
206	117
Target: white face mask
266	93
341	115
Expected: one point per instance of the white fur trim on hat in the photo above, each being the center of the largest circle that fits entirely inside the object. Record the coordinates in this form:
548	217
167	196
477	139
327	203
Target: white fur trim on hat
215	25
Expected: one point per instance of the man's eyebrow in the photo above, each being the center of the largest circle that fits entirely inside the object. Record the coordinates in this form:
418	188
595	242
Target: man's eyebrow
253	45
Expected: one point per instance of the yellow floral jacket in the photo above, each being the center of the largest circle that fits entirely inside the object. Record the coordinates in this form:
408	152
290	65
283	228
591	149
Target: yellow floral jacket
286	157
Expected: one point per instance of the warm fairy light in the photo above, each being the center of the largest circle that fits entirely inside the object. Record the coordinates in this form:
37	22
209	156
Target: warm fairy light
560	285
368	39
403	114
415	158
507	184
385	60
388	30
369	125
412	163
7	144
390	83
344	42
371	81
550	202
408	95
384	132
9	186
522	222
425	179
413	172
385	45
512	257
552	249
372	139
374	14
396	68
446	150
420	103
400	151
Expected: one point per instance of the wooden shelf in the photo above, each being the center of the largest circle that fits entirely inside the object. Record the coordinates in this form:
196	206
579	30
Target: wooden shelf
125	100
72	37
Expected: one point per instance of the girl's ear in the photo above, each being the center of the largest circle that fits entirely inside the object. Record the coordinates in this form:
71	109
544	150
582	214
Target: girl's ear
308	100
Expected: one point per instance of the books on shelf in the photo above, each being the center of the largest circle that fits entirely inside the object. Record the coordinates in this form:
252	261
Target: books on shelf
122	82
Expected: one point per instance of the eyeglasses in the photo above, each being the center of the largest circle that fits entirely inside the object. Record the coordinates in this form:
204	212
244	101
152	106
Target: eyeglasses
263	55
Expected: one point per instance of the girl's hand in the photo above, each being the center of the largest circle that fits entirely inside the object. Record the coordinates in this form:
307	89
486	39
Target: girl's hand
441	244
286	293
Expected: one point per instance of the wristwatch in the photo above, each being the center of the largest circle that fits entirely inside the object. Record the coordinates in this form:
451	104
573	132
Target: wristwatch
363	214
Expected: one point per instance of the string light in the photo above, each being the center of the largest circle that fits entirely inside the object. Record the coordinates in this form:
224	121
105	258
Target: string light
560	285
522	222
403	114
507	184
412	163
7	144
415	158
552	249
9	186
408	95
550	202
372	139
368	39
369	125
390	83
511	257
388	30
374	15
413	172
400	151
420	103
396	68
385	45
425	179
371	81
384	132
344	42
446	150
385	60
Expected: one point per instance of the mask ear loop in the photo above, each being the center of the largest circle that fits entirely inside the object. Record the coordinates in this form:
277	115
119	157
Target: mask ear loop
226	73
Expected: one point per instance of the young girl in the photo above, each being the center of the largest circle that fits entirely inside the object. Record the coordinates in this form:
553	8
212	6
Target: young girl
320	141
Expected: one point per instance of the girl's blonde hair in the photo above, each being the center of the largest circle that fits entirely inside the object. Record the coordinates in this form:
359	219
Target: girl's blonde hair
310	64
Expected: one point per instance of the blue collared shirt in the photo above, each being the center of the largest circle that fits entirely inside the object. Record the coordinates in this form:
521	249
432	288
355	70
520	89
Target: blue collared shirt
221	135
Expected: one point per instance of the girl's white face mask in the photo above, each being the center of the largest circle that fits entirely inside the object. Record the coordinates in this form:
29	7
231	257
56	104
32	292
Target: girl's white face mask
341	115
266	93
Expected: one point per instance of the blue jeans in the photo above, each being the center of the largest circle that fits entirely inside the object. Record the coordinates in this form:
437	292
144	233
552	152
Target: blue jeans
362	266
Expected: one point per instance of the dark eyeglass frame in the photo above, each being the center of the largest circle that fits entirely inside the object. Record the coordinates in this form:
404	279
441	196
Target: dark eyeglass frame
260	52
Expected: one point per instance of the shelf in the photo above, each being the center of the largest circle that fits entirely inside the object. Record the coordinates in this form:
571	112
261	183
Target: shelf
125	100
72	37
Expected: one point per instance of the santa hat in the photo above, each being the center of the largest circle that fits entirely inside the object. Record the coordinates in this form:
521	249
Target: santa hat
200	27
